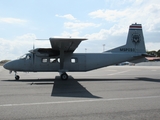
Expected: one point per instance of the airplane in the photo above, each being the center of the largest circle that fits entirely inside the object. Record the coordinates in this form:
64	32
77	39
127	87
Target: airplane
61	57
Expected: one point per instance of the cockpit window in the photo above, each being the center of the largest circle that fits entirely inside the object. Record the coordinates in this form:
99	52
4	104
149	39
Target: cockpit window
23	56
28	57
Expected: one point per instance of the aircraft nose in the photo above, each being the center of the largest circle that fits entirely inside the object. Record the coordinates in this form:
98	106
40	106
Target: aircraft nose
7	65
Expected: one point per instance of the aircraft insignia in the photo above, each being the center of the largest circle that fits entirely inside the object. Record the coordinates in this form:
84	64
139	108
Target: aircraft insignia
136	38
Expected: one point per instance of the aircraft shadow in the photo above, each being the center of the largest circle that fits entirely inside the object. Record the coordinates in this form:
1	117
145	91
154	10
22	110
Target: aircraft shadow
70	88
51	80
122	79
148	79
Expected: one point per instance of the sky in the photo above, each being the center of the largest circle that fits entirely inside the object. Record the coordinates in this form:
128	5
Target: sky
104	23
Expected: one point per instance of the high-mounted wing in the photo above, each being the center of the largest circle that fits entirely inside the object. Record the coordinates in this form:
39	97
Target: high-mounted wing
65	44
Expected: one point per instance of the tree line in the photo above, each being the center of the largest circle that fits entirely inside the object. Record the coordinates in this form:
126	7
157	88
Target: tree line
4	61
154	53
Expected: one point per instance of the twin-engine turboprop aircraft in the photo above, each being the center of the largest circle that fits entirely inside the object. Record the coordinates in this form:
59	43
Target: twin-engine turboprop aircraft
60	58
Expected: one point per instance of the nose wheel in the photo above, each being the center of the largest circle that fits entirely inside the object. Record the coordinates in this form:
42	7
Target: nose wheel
16	76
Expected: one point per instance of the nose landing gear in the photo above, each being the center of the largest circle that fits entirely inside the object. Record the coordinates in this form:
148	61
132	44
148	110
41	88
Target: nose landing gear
16	76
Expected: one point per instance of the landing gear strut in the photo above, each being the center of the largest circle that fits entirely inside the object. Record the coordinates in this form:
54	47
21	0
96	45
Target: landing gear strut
16	76
64	76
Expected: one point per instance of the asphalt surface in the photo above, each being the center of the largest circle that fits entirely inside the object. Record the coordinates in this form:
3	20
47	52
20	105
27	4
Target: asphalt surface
111	93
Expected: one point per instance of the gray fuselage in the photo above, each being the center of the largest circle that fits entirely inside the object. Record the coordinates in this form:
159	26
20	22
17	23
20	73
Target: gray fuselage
76	62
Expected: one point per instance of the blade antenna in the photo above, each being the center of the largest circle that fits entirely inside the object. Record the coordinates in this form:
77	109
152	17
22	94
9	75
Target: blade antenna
33	53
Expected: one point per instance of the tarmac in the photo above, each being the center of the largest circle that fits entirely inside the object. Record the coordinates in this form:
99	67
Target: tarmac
153	63
110	93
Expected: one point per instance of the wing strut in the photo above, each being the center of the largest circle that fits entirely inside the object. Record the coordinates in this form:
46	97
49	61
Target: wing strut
62	72
61	58
64	45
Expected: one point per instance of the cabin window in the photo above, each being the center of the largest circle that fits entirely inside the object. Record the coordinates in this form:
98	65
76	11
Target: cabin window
44	60
53	60
74	60
58	60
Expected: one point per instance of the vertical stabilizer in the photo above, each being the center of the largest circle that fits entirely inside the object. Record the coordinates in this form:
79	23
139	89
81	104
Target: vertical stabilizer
135	41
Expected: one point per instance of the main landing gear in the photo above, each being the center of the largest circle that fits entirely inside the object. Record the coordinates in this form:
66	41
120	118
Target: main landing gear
64	76
16	76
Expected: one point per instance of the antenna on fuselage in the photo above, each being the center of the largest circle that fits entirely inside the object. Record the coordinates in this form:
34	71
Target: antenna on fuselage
33	52
33	48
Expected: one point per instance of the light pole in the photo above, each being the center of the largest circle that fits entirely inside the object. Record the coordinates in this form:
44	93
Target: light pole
85	50
104	47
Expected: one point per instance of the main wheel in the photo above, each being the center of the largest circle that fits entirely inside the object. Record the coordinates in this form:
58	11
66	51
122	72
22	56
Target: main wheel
17	77
64	76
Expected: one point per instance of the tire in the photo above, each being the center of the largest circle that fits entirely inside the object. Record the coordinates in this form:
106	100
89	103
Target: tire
17	77
64	76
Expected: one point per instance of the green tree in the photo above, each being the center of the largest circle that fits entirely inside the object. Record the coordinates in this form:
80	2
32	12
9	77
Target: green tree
158	53
154	53
4	61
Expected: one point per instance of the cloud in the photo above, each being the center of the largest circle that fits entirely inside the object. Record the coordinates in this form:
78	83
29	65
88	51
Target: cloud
26	37
79	25
73	29
67	16
13	21
147	13
72	34
114	21
101	35
105	34
12	49
108	15
152	46
119	18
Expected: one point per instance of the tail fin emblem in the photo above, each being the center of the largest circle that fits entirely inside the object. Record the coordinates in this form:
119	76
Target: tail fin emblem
136	38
